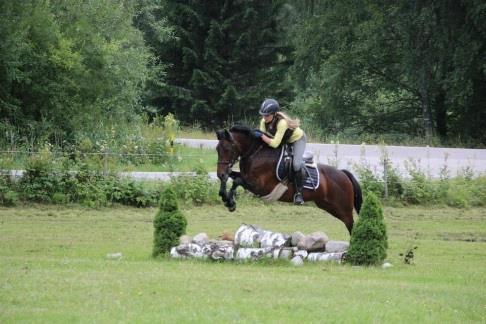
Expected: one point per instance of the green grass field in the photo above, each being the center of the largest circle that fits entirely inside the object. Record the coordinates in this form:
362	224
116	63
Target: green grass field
53	268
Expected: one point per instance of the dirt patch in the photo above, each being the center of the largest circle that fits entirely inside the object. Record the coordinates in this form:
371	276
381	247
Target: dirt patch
463	237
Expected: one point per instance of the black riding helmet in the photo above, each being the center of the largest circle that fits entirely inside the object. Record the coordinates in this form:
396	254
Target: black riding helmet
269	106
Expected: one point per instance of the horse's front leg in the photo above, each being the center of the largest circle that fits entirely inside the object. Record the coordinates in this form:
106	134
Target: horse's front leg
222	189
231	203
237	181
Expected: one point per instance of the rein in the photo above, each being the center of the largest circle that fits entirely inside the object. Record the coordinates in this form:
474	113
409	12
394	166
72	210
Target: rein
251	151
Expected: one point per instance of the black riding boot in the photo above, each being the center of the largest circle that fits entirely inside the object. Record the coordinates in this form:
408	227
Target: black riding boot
299	183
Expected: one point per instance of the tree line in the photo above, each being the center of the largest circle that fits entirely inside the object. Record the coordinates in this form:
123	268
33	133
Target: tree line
403	68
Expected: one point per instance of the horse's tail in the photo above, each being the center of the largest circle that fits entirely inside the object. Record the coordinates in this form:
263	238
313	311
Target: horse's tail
358	196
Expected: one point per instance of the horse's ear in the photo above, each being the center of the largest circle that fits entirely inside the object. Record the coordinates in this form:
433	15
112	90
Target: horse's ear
220	134
227	135
223	135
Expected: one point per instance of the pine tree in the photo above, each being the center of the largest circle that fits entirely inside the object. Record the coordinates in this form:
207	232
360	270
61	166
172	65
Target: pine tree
369	240
224	59
169	223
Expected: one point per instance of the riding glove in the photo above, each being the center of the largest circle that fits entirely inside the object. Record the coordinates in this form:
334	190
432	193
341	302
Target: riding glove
256	133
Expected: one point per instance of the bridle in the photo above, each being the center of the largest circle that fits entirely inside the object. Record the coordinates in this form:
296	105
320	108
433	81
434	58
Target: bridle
236	156
224	167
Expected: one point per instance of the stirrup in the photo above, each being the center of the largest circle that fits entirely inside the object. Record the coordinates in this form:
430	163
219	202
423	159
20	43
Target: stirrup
298	199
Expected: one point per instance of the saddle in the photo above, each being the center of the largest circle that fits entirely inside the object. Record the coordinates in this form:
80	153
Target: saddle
284	170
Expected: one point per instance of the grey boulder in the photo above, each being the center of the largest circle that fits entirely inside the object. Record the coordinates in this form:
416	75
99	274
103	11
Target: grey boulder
313	242
337	246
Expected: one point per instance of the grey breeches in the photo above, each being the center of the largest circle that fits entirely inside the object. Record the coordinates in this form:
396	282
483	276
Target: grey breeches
299	149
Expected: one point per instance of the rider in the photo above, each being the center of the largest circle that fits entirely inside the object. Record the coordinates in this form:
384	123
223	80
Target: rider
284	130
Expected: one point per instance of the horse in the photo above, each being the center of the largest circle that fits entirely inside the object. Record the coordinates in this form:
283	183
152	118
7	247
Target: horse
338	192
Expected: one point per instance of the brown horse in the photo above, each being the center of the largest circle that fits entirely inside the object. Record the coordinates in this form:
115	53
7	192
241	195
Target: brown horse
338	190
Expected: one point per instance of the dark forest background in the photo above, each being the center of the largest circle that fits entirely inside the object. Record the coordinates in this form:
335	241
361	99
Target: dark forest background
351	69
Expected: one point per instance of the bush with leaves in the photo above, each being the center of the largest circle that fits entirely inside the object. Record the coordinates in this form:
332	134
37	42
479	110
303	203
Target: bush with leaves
89	187
197	188
8	197
128	192
477	191
369	240
169	223
38	182
419	189
368	180
394	182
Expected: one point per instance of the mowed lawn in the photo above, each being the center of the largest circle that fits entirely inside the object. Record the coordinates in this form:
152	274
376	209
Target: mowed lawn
54	268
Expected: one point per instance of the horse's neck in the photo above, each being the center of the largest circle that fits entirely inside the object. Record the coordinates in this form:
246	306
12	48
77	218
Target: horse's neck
251	150
245	146
260	154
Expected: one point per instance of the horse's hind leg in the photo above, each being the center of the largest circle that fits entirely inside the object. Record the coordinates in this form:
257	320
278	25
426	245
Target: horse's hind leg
349	223
346	218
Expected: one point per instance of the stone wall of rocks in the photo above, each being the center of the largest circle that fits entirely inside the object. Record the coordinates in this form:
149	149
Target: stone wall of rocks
253	243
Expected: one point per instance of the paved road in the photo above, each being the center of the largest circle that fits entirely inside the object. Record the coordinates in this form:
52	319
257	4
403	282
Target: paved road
429	159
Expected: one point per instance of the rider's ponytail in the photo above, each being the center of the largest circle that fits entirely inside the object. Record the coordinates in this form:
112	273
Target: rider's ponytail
293	123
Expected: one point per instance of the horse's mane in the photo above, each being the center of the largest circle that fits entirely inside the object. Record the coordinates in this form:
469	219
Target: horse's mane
246	131
243	129
255	142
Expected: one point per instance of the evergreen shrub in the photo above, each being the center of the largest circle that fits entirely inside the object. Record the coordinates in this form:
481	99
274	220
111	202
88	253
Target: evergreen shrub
169	223
369	240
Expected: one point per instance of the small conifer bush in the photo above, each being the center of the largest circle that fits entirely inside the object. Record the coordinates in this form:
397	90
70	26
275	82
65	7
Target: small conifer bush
369	240
169	223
